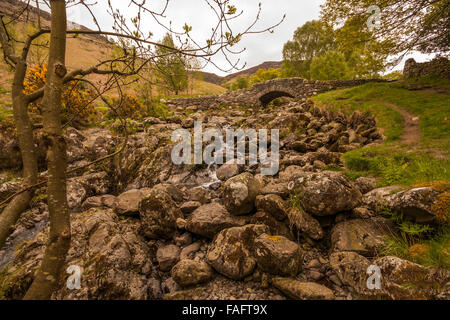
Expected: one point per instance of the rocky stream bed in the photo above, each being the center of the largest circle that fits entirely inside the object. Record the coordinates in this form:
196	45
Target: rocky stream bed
144	228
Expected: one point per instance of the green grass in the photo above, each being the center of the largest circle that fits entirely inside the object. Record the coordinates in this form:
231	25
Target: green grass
433	252
5	113
395	162
374	98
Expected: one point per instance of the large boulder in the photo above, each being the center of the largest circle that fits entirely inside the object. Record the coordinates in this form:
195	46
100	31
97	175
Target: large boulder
327	193
210	219
278	255
364	236
303	290
240	192
378	199
351	269
305	223
273	205
128	202
231	251
415	203
80	188
405	280
159	215
190	273
227	171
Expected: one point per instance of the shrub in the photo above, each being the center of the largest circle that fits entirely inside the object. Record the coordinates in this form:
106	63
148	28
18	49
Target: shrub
76	98
128	107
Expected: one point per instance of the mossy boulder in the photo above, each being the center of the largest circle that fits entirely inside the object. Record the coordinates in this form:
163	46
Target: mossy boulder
364	236
278	255
327	193
231	251
240	192
159	214
210	219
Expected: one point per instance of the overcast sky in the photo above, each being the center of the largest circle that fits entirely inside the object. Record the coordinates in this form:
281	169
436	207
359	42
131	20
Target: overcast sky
259	47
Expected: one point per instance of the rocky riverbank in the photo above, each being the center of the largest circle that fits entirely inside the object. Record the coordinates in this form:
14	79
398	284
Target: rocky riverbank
144	228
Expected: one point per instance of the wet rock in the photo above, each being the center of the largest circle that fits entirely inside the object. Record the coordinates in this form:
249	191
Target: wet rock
189	273
364	236
167	257
327	193
305	223
365	184
240	192
159	214
231	251
210	219
273	205
302	290
278	255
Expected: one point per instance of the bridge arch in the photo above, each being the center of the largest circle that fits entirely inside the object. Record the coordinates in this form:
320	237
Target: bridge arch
271	95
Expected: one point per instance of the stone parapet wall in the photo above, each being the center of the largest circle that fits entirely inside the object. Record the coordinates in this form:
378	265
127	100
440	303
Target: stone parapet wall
263	93
439	67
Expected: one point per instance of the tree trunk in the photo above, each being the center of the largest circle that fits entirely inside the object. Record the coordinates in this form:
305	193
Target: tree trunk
47	277
24	127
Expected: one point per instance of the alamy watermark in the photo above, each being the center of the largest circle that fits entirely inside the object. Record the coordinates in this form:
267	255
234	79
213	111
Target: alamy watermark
215	152
374	20
74	280
374	280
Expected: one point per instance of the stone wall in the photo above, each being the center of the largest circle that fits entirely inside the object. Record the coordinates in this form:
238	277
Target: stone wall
439	67
263	93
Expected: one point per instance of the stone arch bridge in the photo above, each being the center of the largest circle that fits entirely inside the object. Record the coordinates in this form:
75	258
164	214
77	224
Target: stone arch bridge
264	93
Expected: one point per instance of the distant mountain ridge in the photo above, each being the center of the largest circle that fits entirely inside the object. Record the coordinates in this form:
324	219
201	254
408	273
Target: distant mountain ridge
213	78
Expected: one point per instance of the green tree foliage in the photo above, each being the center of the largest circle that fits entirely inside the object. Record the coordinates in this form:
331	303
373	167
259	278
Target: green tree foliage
330	66
407	25
310	40
241	83
263	75
364	58
171	67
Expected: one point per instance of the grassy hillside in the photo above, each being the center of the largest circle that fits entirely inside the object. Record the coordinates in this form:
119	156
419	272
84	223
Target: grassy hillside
415	118
405	158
